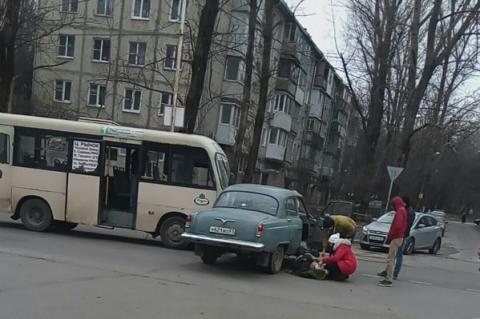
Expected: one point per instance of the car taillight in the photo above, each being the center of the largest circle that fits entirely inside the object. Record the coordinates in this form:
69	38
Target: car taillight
188	221
260	229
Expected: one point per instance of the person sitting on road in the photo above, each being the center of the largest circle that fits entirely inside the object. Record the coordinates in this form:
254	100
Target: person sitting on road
340	265
343	225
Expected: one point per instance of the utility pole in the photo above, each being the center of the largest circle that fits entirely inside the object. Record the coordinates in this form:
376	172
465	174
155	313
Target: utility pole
178	64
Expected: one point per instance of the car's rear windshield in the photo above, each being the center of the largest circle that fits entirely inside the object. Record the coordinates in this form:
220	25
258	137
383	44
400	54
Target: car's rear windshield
248	201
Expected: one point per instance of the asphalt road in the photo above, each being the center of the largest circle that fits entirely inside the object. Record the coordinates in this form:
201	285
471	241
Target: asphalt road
96	273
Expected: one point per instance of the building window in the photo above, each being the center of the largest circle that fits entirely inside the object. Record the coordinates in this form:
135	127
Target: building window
282	103
170	62
230	114
96	95
136	56
62	91
278	137
101	50
166	100
104	7
290	31
66	46
234	69
141	9
310	124
69	6
175	10
132	100
287	68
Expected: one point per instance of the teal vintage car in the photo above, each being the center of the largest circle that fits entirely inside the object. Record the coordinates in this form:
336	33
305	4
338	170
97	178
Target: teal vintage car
258	221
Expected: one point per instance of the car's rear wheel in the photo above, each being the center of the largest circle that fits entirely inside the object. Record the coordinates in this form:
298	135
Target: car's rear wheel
209	257
276	260
364	246
409	246
436	247
171	233
36	215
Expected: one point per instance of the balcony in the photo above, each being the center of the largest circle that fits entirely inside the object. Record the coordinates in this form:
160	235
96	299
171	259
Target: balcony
337	129
284	84
313	139
282	120
320	82
275	152
326	171
226	134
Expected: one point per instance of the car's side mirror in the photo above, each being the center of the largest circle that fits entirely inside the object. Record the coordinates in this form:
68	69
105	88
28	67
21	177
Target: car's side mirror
374	219
420	226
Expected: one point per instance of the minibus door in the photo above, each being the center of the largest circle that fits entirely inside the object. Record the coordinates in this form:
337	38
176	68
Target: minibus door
83	182
6	148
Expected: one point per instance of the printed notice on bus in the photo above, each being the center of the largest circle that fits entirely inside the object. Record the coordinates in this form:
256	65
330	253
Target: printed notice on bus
85	156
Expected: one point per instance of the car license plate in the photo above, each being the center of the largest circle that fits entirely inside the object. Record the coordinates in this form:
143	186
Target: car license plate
377	238
222	230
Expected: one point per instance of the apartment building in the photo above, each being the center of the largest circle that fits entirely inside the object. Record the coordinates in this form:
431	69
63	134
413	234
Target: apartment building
116	59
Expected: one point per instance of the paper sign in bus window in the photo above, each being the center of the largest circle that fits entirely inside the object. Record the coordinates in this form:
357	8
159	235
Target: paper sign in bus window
85	156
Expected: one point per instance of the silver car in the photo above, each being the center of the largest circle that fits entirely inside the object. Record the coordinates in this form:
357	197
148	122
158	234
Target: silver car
424	234
441	218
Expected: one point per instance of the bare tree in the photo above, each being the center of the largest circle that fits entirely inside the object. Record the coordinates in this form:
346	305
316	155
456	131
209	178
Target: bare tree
247	87
265	75
200	60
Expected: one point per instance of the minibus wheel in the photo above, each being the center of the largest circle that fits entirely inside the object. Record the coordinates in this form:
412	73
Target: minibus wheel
171	232
36	214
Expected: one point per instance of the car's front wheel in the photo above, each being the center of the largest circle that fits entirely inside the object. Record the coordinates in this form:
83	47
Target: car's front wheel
409	246
276	260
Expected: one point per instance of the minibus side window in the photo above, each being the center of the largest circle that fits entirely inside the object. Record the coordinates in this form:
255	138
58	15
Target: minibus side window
4	148
191	167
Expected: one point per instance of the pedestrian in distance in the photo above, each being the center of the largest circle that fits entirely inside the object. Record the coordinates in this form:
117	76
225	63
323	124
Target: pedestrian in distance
340	265
395	239
343	225
464	216
401	250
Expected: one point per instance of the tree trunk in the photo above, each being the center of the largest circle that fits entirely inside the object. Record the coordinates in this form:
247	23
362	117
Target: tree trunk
247	88
8	33
200	61
267	34
376	107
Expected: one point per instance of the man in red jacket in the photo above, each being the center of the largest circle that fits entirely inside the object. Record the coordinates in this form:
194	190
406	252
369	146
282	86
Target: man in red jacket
395	238
338	266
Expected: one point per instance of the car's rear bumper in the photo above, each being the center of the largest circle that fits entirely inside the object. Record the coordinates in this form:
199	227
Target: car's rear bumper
232	244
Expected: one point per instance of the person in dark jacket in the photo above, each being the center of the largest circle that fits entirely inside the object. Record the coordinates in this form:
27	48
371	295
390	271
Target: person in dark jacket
410	221
395	239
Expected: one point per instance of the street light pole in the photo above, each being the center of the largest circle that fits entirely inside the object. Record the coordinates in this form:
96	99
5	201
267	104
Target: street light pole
178	64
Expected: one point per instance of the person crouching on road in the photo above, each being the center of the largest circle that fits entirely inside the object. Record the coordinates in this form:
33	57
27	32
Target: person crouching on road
340	265
343	225
395	239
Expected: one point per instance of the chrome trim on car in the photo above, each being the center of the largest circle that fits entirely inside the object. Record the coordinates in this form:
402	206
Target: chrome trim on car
242	243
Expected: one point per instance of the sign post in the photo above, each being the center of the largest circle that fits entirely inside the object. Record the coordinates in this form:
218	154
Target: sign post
393	172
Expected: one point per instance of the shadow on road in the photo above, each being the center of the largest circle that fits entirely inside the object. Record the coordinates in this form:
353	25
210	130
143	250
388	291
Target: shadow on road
91	235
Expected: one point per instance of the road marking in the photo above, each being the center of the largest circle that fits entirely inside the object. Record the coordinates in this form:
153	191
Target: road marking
473	290
422	283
